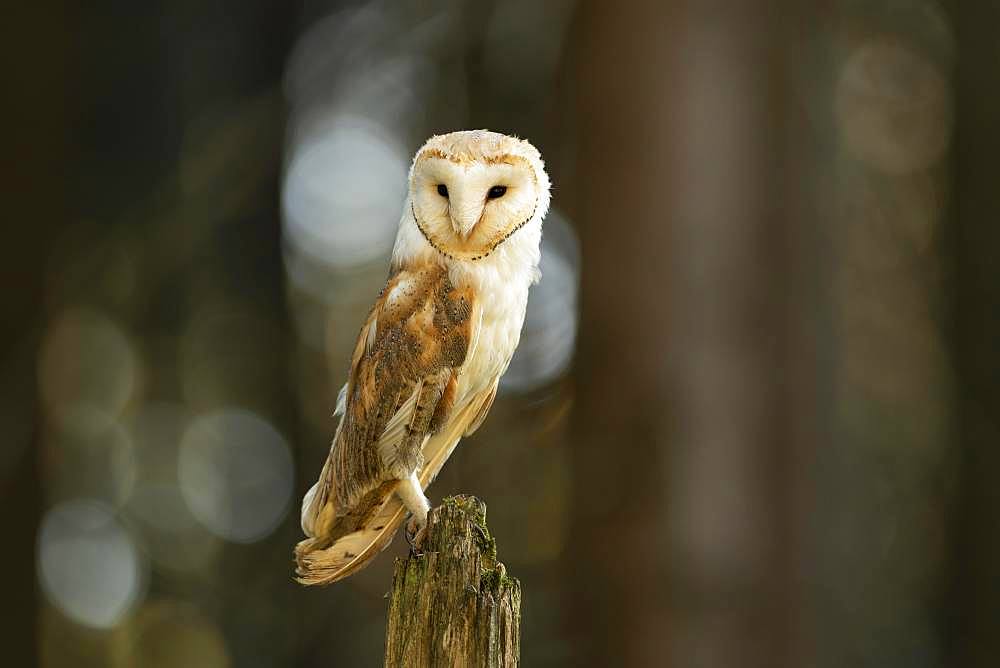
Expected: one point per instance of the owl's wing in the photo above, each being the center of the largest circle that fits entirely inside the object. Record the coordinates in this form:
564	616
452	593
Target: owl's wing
484	408
353	551
399	415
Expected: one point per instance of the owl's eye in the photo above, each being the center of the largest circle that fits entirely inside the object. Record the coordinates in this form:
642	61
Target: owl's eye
442	190
497	191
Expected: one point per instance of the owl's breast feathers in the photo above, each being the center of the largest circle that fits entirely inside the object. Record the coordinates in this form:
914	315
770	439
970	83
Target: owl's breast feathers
405	410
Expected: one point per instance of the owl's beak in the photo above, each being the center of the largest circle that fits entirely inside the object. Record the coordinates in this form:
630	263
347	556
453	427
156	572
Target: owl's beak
462	227
465	218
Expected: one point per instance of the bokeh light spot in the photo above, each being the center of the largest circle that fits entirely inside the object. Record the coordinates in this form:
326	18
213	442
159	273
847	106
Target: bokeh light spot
167	530
235	473
89	454
88	565
86	357
893	108
343	193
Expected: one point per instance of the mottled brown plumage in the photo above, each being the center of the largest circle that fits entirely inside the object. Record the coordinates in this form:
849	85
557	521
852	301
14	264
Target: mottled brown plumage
400	391
415	337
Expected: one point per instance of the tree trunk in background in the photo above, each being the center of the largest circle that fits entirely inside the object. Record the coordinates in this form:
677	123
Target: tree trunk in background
975	564
885	477
689	392
38	110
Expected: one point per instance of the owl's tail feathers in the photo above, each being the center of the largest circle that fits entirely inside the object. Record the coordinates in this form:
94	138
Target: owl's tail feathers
341	541
354	539
317	514
340	545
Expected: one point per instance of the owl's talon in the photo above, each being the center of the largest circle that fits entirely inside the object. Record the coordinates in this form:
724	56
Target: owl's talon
414	533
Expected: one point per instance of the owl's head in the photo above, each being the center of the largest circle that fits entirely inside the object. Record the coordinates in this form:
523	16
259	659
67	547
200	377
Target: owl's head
471	191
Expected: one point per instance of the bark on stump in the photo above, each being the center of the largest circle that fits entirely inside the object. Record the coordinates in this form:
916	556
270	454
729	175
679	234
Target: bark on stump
454	605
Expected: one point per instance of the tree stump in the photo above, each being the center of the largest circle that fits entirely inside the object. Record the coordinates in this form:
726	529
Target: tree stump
453	604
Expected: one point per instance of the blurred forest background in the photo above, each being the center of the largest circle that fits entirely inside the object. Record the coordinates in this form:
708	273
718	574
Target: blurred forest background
754	417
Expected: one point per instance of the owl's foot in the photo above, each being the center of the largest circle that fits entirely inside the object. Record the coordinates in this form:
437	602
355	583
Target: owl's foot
413	498
415	532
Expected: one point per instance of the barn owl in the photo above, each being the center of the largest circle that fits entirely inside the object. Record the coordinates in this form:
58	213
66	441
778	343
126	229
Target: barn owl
425	368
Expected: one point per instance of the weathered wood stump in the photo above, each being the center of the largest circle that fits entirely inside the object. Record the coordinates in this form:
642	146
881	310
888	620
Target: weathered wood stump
454	605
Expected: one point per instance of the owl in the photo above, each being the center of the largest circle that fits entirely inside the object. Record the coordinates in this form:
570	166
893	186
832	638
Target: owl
426	365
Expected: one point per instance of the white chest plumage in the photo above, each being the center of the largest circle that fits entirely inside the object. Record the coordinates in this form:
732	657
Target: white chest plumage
502	305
